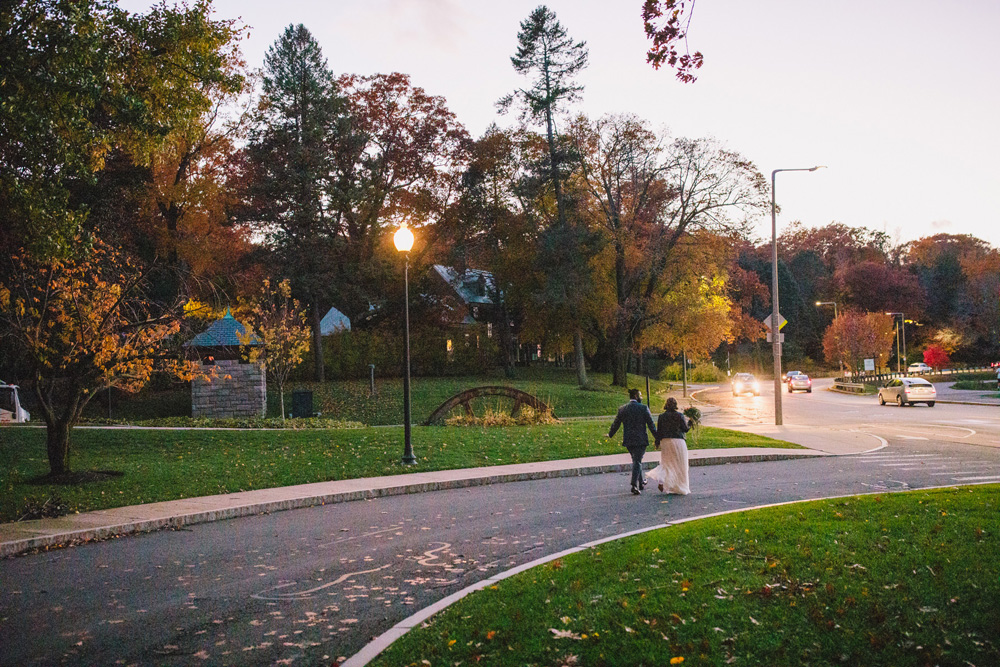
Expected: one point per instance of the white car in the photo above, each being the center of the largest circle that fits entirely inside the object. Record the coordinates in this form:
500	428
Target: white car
918	368
745	383
907	391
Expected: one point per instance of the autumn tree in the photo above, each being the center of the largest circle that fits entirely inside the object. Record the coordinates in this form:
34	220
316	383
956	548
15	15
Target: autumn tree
936	357
655	201
878	286
404	163
551	59
83	81
82	324
490	227
277	322
958	274
854	336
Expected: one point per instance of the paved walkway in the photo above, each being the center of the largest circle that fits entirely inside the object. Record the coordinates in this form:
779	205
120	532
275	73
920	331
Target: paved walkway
26	536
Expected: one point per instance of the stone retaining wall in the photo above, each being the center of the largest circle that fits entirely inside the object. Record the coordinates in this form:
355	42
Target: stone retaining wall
236	390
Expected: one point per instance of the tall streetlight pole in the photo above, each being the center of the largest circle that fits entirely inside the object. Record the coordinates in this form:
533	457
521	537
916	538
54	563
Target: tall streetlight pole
775	330
834	304
902	325
403	240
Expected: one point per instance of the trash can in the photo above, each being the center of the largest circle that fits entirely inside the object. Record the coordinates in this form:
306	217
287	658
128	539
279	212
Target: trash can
302	403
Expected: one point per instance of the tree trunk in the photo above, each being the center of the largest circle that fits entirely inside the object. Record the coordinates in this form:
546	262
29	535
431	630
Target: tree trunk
581	363
281	397
619	356
57	445
317	343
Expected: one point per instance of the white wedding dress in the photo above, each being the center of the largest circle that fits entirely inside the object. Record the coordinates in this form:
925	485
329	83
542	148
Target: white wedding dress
672	473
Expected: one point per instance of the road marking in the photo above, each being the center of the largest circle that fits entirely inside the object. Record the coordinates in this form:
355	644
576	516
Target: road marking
900	465
298	595
974	479
431	555
964	472
911	437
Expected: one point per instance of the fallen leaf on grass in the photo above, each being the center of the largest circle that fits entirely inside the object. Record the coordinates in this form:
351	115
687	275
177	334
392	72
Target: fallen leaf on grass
564	634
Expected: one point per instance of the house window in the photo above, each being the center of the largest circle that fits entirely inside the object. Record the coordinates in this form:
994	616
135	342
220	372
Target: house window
489	330
450	348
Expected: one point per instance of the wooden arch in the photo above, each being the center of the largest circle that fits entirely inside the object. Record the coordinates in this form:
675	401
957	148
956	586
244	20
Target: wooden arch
464	398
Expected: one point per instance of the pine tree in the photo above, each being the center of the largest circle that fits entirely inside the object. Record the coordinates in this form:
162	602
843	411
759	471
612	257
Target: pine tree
547	53
301	125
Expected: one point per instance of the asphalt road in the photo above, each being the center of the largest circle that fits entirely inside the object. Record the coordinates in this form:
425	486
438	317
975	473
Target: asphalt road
309	586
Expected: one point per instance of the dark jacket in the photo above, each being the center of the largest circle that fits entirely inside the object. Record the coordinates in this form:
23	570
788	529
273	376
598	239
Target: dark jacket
672	424
636	418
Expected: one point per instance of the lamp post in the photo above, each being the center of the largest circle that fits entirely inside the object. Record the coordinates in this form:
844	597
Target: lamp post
902	325
403	240
834	304
775	330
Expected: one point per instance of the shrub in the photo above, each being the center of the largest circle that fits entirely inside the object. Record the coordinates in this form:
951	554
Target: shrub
527	416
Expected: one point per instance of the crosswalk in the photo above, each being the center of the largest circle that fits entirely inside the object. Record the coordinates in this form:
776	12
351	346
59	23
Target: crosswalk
949	468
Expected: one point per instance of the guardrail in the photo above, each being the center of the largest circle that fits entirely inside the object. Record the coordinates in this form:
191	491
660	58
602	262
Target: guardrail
855	388
856	384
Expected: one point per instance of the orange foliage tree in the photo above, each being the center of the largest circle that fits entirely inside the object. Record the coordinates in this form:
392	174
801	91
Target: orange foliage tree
279	322
82	325
854	337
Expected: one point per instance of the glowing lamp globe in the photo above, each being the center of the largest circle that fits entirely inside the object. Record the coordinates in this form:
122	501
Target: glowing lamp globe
403	239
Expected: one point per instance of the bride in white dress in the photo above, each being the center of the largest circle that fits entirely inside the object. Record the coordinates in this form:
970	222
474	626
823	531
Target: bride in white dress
672	473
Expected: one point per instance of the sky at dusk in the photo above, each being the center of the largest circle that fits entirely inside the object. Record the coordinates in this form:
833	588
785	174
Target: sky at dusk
899	99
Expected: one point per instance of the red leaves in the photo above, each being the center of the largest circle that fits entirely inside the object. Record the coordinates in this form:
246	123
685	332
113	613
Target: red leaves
668	33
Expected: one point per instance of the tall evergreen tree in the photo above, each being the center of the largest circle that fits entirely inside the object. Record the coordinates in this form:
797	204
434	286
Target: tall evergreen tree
547	54
292	161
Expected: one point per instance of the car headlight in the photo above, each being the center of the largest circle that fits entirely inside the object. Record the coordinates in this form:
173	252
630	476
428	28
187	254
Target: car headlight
738	386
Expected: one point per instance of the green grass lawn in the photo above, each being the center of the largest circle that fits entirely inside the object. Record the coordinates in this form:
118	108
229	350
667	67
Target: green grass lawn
352	400
899	579
163	464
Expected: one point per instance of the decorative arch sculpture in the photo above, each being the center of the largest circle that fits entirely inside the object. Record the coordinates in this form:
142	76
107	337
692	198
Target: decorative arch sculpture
464	399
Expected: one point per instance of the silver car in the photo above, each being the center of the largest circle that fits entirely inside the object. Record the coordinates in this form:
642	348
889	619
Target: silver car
907	391
801	382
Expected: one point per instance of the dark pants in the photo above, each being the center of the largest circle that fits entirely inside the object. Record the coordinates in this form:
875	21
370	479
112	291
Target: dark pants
637	454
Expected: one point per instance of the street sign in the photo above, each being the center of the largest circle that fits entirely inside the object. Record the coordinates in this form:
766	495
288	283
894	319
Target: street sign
781	322
869	364
770	337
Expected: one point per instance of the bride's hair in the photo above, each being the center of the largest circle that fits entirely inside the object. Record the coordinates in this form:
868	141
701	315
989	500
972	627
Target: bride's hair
671	404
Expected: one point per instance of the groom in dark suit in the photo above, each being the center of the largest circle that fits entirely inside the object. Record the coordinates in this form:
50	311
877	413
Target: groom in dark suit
636	418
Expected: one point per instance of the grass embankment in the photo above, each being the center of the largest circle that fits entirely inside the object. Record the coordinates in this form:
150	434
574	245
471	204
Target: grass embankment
170	464
902	579
349	400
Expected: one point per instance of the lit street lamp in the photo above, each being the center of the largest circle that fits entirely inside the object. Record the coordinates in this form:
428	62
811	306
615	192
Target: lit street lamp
403	240
834	304
902	325
775	329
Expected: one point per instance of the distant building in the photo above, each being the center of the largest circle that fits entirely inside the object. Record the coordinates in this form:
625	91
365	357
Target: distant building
334	321
468	295
227	386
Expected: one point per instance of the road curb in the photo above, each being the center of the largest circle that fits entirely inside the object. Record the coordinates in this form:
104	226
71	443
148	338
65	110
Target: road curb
65	538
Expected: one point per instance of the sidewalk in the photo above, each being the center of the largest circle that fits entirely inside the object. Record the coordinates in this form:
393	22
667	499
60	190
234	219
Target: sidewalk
25	536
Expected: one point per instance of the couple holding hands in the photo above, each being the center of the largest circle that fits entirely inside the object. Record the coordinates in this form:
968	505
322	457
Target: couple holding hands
635	418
